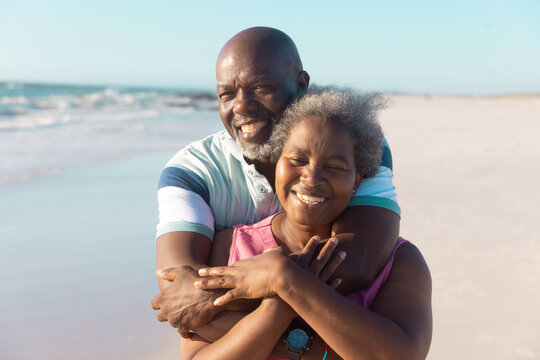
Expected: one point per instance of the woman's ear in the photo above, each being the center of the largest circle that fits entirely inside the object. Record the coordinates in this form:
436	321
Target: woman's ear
357	182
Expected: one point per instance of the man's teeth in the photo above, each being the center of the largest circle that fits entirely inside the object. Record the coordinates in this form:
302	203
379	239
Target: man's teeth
248	128
312	200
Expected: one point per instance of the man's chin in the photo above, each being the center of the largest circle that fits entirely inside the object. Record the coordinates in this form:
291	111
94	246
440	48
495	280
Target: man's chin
255	151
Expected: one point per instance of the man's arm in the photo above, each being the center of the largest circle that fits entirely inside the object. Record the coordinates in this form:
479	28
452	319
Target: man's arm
185	229
225	320
179	248
375	230
179	302
187	308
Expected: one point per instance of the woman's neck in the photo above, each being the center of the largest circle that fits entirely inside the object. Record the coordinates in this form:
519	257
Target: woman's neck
293	237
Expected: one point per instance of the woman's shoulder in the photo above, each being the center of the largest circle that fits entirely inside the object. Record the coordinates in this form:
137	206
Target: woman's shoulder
406	297
409	253
410	268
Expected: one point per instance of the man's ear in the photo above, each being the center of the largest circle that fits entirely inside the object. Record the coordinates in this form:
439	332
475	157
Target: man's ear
302	80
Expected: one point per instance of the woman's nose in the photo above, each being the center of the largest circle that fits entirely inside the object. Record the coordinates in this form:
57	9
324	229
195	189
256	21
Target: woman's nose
312	175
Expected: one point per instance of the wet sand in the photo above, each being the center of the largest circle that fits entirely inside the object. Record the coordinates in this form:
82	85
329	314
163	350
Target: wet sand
78	265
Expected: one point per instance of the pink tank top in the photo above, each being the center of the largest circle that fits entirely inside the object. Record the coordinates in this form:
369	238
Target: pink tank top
250	240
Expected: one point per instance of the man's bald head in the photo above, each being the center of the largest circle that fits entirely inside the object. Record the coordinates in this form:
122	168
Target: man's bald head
260	44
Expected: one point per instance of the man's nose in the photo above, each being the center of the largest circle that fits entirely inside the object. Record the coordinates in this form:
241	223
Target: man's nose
244	103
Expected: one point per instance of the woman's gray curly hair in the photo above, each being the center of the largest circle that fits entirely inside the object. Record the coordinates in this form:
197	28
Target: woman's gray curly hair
356	111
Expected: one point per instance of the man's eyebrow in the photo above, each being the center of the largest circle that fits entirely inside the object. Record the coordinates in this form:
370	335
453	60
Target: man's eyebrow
253	78
266	77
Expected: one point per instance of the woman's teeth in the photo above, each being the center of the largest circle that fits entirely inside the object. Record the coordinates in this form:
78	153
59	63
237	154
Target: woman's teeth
248	128
311	200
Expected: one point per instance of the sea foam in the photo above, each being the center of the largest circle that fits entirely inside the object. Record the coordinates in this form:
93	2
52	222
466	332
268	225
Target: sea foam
49	128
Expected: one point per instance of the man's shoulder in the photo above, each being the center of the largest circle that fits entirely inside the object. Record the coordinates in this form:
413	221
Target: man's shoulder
219	139
215	148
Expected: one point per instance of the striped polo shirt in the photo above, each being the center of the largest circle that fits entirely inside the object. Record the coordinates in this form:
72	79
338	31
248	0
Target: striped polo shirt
208	186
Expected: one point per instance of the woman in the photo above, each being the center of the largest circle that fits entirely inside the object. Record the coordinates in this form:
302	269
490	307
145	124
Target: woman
327	142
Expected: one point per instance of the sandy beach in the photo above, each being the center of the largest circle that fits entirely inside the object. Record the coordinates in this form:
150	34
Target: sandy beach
467	174
78	273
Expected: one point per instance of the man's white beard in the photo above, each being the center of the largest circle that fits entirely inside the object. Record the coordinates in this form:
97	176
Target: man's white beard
256	151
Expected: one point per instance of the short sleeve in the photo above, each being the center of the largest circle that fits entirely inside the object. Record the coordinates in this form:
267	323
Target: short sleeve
379	190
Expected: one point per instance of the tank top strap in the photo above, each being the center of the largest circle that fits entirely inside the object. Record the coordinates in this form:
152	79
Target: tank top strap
366	296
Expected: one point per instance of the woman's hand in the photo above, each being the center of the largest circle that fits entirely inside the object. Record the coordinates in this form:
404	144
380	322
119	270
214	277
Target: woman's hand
320	264
259	276
251	278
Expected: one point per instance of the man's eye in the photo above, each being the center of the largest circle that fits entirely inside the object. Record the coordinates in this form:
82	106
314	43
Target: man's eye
335	167
226	94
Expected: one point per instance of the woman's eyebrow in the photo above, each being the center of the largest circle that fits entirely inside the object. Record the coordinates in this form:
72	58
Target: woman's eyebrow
295	148
338	157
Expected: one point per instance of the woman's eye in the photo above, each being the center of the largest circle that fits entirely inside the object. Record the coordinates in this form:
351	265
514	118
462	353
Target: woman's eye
261	87
335	167
297	161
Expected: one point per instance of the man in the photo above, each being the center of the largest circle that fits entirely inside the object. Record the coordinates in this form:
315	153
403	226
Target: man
228	179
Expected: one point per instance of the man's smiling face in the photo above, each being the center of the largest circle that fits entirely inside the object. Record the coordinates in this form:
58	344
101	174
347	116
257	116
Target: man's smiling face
252	95
256	80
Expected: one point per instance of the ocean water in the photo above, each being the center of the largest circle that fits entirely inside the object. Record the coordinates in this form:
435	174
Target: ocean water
78	258
47	128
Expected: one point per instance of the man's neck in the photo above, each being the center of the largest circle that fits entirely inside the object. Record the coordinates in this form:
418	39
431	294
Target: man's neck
267	169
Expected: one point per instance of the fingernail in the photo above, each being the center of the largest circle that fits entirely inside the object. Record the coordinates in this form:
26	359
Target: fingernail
338	281
197	283
203	271
342	254
217	301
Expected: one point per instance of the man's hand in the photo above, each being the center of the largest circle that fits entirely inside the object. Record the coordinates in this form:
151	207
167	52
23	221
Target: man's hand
181	304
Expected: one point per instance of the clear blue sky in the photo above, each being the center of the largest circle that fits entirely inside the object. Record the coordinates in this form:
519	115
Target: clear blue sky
451	47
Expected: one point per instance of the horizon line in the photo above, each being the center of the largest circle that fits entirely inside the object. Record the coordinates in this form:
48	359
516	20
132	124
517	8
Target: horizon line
212	91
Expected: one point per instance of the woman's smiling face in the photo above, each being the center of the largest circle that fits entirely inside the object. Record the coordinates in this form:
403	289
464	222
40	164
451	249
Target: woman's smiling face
316	172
